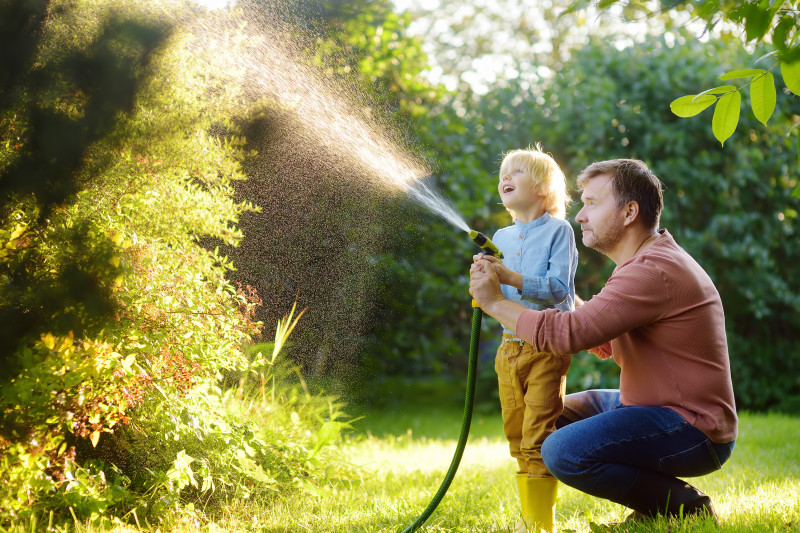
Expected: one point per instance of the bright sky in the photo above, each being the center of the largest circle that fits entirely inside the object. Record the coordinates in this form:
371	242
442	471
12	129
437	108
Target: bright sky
215	4
484	70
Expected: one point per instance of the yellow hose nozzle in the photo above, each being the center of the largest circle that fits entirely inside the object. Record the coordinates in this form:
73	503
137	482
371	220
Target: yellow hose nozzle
485	244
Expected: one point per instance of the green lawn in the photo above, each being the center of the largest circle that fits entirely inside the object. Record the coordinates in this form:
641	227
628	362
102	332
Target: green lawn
400	453
397	455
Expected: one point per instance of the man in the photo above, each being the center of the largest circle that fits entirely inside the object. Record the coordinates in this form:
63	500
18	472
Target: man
661	319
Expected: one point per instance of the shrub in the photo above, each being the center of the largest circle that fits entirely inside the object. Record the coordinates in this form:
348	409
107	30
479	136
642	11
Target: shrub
127	381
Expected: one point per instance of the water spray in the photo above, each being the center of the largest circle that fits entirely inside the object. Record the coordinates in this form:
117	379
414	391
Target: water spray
488	248
329	118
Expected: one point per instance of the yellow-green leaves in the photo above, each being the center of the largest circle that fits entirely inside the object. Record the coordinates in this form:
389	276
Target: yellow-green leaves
691	104
791	76
726	112
747	73
722	89
9	238
326	435
726	116
181	472
284	328
763	97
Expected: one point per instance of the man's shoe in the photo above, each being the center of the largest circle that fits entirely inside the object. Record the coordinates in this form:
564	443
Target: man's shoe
654	494
636	516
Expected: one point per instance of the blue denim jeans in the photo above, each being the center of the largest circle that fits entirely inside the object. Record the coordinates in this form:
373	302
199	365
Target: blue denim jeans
599	445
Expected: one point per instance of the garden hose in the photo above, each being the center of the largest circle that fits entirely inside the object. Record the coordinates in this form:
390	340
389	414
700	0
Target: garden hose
488	248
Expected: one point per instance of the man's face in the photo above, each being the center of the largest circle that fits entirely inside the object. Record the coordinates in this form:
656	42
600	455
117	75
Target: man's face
600	219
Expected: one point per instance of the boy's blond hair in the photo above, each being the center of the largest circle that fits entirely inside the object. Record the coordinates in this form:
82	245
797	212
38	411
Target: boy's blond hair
545	173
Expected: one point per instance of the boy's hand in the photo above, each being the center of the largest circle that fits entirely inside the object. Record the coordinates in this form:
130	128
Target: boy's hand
504	274
484	285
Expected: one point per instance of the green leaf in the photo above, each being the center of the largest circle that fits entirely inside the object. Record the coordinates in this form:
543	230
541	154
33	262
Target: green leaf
757	22
577	5
726	116
763	97
722	89
327	434
604	4
791	76
780	33
690	105
127	363
748	73
768	54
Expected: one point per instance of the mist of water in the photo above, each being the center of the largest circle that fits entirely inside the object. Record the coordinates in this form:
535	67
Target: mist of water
329	115
327	174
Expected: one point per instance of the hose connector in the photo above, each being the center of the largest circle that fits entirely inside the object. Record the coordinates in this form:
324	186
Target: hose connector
485	244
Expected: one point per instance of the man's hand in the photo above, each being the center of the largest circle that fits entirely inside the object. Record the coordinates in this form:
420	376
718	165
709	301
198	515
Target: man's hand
484	286
504	274
484	283
601	352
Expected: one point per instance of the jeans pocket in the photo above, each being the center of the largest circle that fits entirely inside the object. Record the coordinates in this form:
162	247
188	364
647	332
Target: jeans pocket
713	454
699	460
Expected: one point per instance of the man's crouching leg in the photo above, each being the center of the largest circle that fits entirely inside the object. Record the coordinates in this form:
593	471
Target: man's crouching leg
655	494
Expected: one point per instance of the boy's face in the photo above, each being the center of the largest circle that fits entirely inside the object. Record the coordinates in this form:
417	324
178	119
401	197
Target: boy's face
517	190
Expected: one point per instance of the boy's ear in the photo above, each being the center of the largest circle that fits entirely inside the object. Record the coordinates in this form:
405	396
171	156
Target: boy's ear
631	213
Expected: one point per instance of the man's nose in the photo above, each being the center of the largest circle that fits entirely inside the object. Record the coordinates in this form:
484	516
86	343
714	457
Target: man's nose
580	218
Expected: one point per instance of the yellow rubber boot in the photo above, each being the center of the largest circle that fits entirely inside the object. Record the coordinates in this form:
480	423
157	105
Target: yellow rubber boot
537	496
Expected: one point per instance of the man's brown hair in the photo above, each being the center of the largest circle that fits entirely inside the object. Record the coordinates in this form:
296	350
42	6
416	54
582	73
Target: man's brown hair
632	182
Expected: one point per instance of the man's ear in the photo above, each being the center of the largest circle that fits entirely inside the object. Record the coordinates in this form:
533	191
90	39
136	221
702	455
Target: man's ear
631	212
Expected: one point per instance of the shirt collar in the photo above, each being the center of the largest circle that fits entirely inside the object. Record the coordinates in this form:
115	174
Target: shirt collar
524	227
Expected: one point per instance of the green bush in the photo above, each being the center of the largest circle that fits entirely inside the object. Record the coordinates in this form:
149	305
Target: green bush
127	388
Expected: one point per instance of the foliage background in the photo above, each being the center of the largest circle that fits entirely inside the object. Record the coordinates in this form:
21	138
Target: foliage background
157	212
398	298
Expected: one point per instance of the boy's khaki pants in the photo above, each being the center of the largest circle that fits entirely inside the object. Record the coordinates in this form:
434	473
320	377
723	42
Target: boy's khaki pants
532	387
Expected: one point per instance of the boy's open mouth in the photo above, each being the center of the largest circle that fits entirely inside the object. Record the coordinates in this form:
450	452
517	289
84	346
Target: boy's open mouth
507	188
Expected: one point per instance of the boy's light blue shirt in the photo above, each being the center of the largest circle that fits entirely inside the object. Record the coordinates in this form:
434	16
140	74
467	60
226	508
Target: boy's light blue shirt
544	252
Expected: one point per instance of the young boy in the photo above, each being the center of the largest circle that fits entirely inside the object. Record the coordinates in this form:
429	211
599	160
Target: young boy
538	270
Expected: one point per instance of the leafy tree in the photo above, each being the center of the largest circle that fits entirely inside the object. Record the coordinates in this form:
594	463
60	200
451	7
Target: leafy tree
126	359
53	111
733	211
602	102
754	22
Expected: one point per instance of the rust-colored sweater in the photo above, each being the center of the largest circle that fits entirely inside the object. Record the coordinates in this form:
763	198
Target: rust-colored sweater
666	327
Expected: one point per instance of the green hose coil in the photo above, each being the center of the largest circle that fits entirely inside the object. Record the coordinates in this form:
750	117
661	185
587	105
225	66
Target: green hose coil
477	316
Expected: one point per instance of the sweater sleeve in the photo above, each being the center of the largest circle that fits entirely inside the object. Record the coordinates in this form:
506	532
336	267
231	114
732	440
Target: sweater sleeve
553	287
635	295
